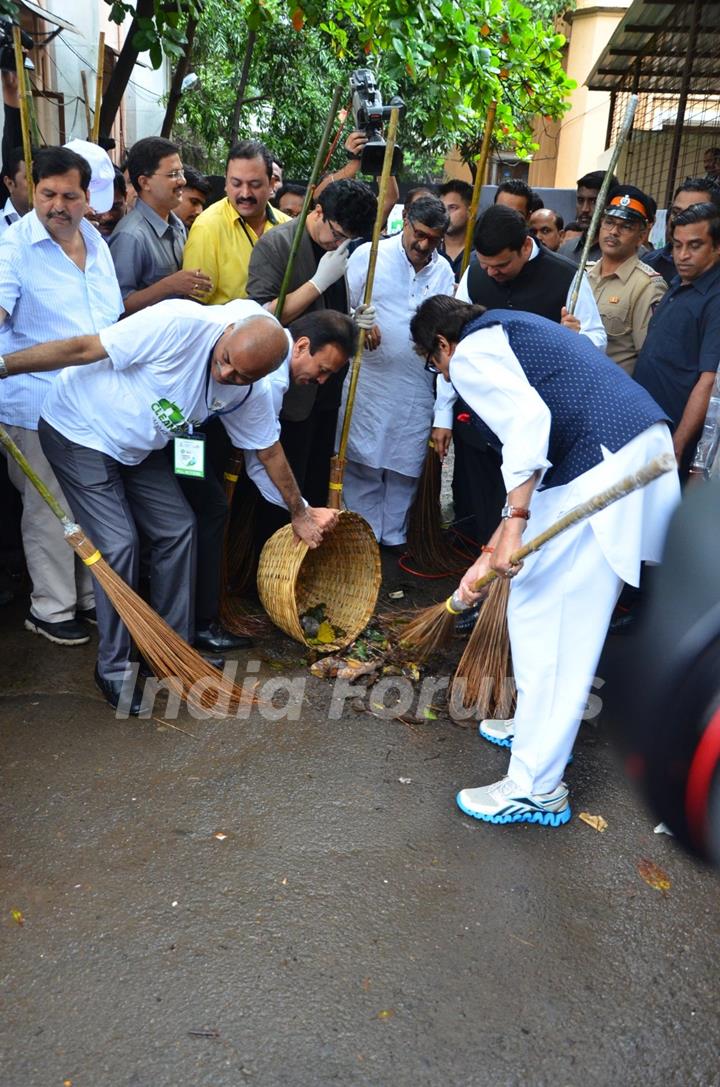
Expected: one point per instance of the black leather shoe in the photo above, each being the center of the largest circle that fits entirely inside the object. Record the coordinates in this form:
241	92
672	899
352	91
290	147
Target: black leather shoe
116	693
216	639
214	662
146	671
624	623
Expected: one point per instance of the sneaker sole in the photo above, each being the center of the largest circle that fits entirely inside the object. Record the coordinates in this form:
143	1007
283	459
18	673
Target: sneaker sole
51	637
544	818
506	742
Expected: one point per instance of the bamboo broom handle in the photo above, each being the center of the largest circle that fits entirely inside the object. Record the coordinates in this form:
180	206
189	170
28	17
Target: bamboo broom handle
377	229
325	139
24	110
74	535
477	184
99	87
652	470
37	483
86	102
601	198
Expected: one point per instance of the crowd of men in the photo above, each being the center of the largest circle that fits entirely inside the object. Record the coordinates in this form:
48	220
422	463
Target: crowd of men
169	297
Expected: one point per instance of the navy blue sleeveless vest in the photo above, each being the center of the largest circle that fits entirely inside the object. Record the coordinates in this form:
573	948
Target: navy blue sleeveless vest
592	401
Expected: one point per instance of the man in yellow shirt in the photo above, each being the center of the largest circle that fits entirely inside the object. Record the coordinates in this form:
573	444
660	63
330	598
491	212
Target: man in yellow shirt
223	236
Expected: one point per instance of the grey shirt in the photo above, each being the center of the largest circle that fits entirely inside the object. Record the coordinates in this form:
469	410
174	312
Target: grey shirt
145	248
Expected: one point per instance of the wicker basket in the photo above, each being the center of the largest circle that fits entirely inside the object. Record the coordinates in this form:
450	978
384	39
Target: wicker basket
343	573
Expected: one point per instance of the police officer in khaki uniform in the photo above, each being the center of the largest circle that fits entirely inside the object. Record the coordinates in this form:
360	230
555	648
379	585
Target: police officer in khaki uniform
625	289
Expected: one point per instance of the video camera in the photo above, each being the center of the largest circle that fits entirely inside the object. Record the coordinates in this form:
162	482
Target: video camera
369	113
7	52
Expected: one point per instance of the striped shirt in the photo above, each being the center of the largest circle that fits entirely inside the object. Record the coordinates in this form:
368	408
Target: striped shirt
47	297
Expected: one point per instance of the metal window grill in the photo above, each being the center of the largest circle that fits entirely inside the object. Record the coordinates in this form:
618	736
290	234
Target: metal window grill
669	55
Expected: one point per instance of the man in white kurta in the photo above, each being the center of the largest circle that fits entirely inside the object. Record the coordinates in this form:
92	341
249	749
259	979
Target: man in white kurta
570	424
392	415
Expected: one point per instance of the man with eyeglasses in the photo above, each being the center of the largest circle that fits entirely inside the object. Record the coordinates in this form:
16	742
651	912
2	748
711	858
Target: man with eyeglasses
570	424
147	244
626	290
345	210
394	400
511	272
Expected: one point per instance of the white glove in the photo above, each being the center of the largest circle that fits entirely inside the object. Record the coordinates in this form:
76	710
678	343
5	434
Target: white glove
365	316
331	268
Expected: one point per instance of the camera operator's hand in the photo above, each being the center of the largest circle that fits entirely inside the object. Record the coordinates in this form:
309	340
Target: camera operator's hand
11	95
354	144
331	267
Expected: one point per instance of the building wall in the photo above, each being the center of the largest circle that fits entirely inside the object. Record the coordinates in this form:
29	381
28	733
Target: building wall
58	69
583	129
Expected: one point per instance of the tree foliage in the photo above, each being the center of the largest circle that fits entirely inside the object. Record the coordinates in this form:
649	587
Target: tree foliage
448	59
160	30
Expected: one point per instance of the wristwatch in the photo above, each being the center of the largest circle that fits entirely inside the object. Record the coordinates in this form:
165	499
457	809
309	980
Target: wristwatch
3	368
514	511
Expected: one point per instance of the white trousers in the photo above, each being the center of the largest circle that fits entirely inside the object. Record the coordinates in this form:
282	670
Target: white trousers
558	615
382	497
60	582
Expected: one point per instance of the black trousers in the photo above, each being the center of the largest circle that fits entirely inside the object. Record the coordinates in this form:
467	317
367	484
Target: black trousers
478	485
206	498
114	504
309	446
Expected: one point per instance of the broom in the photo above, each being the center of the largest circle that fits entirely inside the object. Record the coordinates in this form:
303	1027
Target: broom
337	464
172	659
426	540
432	628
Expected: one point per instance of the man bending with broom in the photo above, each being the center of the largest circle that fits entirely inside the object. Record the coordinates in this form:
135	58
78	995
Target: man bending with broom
570	423
160	374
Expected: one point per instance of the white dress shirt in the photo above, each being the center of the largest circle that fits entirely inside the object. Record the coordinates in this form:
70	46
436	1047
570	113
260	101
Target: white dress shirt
8	216
586	311
156	384
47	297
394	401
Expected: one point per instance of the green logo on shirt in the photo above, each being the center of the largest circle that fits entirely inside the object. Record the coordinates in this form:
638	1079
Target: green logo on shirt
169	417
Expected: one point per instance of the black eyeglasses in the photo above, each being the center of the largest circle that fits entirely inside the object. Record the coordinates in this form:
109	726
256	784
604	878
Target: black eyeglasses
337	235
429	364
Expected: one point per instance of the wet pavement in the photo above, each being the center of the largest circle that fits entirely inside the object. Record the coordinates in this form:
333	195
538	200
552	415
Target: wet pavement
298	901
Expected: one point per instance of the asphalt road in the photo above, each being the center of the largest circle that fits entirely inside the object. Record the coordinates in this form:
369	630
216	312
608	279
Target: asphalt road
298	902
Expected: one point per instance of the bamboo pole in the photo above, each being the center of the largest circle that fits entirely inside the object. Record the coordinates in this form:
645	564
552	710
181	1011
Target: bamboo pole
324	141
432	628
24	110
99	87
86	102
601	199
337	467
480	168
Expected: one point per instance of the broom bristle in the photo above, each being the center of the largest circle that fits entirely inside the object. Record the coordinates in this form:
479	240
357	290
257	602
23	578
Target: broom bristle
187	673
426	541
481	678
429	632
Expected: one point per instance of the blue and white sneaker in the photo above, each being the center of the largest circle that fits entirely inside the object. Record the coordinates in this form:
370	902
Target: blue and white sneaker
498	730
501	731
505	802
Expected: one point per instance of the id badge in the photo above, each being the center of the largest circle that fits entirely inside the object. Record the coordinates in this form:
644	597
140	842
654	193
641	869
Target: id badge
189	456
